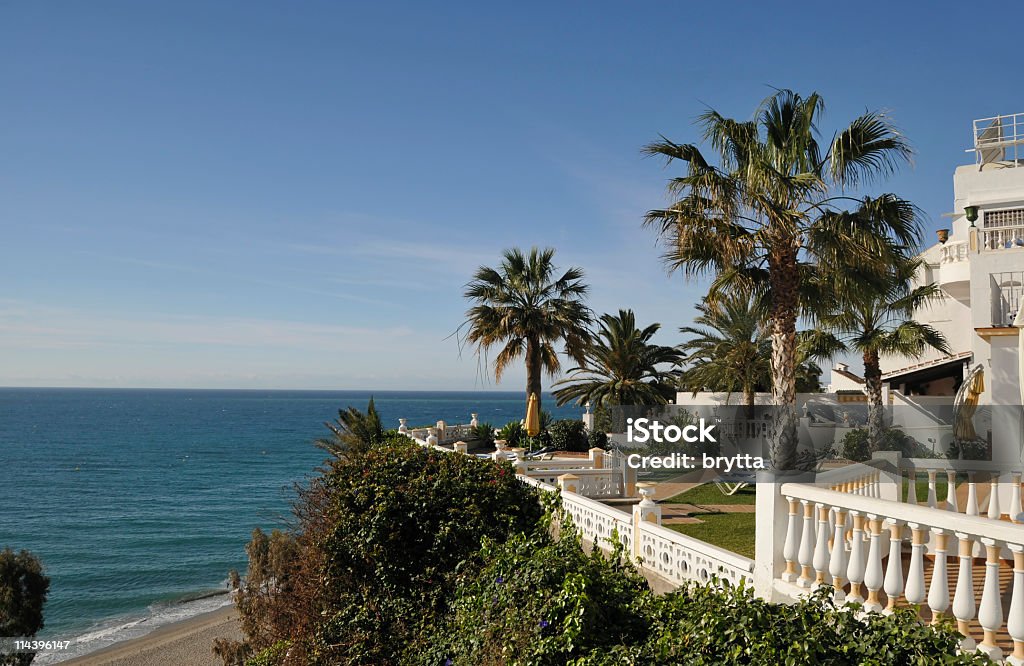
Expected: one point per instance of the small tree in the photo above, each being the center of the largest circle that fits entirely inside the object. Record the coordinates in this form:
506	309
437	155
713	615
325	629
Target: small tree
23	590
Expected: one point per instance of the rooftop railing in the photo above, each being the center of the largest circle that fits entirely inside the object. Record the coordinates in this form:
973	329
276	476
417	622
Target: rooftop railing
999	139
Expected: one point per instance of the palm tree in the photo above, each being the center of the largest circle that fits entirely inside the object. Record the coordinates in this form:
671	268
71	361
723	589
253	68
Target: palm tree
763	217
527	309
621	367
879	321
353	431
731	351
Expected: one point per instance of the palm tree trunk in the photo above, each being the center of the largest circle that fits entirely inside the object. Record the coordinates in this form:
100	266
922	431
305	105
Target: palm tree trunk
533	371
873	383
785	283
749	394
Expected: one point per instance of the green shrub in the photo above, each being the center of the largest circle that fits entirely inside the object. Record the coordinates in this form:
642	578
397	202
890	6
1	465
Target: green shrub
484	433
539	601
513	433
546	602
856	445
381	536
23	591
968	450
597	439
569	435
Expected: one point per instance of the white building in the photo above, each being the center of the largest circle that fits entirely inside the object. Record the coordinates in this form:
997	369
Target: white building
979	265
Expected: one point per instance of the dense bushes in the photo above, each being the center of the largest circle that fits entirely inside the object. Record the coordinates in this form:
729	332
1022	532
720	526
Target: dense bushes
409	555
857	445
23	590
539	601
568	435
380	537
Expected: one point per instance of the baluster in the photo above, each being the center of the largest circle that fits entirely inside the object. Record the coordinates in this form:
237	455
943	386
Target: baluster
1014	509
972	496
894	571
831	525
915	575
789	548
837	563
990	615
855	570
821	554
911	486
873	575
932	497
1015	623
938	593
964	607
874	485
806	546
993	498
951	491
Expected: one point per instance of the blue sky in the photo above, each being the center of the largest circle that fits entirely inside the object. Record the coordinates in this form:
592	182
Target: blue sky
254	194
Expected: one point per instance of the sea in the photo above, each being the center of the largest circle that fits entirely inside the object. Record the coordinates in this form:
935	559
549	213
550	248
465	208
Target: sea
139	502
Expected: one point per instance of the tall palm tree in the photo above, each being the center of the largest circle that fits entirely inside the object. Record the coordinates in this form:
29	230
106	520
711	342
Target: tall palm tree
763	218
353	431
525	307
879	321
731	351
621	367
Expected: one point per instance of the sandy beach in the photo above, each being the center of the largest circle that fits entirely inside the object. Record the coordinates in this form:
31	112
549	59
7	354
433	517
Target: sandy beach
185	643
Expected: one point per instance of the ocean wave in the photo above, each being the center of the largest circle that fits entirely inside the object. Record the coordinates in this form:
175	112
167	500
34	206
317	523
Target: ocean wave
116	630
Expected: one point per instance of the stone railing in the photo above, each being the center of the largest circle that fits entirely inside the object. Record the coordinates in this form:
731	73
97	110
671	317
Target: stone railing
1002	486
841	539
954	252
674	557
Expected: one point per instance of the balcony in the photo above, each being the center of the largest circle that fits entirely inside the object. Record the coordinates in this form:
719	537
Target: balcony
1007	289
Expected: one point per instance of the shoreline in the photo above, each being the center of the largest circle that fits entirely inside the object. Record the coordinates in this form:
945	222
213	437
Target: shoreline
188	641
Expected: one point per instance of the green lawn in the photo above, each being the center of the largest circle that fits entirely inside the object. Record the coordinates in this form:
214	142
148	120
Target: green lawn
732	531
941	486
710	494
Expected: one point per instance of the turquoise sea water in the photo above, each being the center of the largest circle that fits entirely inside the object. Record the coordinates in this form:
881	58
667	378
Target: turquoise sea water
139	502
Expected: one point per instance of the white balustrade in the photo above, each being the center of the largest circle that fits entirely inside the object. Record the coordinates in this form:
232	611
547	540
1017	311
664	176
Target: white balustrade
871	567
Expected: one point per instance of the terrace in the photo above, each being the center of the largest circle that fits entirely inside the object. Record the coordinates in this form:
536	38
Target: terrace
858	527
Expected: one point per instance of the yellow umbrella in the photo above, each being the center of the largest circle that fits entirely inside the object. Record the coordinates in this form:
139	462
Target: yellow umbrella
532	416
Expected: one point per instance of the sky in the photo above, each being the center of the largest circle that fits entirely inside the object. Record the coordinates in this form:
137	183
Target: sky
293	195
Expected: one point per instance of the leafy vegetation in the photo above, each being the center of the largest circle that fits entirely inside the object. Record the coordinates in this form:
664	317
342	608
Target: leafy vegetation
858	444
877	320
526	308
353	432
763	220
621	367
409	555
569	435
23	591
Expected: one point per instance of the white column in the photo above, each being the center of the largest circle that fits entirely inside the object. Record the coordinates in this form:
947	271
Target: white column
964	606
873	574
1015	622
789	549
951	491
993	498
855	570
911	486
972	496
806	554
933	500
915	575
894	571
938	592
990	615
837	563
821	554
